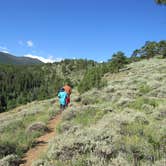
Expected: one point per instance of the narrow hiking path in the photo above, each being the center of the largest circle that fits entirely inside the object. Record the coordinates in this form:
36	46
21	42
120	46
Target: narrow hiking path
42	143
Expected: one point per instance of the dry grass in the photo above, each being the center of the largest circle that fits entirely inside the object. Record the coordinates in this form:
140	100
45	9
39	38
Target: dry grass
122	124
132	128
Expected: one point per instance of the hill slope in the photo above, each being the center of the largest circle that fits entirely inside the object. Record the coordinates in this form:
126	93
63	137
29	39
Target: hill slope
121	124
6	58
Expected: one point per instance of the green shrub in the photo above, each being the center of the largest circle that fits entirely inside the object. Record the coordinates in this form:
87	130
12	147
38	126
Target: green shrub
7	148
41	163
147	108
36	127
156	135
132	129
120	160
53	113
143	89
124	102
159	92
160	112
10	160
139	102
88	117
89	100
66	127
137	147
68	115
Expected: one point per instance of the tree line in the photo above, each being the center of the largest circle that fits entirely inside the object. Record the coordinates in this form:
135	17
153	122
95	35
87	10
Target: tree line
22	84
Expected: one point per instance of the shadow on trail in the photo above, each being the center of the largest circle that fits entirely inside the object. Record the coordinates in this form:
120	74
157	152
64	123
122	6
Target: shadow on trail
36	143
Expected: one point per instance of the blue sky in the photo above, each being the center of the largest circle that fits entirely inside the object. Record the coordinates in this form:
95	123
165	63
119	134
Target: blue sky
92	29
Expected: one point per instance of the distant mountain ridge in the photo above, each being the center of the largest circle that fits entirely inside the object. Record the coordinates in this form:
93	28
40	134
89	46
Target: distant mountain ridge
6	58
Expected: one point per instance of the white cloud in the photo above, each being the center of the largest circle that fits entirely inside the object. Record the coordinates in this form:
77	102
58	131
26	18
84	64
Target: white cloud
4	49
29	43
45	60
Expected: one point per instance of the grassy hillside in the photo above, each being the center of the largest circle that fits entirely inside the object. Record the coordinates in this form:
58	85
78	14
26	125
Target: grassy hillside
6	58
121	124
16	135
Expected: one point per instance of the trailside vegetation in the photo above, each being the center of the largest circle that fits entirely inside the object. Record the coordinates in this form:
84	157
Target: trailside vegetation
28	122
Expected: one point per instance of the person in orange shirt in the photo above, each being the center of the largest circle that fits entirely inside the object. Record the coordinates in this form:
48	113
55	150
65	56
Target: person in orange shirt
68	90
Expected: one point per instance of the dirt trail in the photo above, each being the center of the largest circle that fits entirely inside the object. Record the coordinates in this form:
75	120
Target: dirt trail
34	153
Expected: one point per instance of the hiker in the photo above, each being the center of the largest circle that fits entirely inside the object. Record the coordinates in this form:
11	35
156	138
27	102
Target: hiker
68	90
62	99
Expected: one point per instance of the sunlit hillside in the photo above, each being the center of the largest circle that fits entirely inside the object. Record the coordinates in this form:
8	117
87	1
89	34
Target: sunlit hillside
121	124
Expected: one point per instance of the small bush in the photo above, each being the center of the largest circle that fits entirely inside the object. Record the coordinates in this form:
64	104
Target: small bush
159	92
53	113
141	119
160	112
87	101
154	84
120	160
147	108
41	163
132	129
137	147
143	89
7	148
88	117
37	127
139	102
156	134
123	102
10	160
68	115
91	97
66	127
77	99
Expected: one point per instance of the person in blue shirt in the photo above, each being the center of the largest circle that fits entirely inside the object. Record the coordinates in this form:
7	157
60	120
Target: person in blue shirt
62	98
